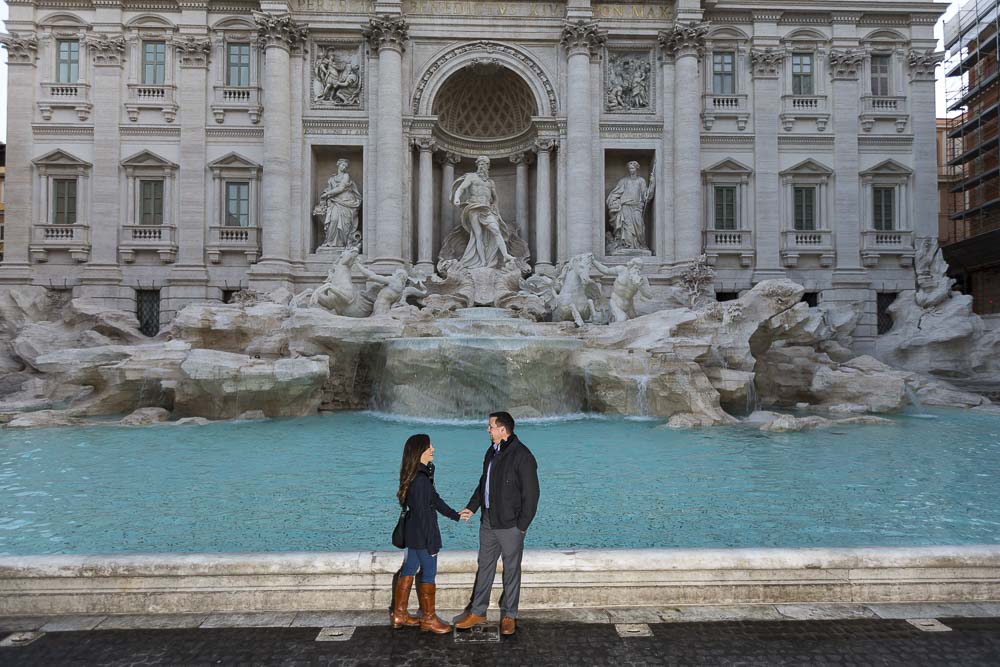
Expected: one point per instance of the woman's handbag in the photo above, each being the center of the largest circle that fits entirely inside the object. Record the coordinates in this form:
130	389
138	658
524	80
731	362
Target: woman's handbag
399	532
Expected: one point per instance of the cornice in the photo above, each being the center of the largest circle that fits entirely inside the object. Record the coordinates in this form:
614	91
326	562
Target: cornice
636	130
234	132
727	140
805	140
148	131
886	141
62	130
355	127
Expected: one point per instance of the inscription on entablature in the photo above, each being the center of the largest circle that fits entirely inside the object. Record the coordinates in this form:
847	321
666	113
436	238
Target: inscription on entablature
624	12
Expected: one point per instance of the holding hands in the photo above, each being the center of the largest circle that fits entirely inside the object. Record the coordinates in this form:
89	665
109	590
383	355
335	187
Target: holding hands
465	514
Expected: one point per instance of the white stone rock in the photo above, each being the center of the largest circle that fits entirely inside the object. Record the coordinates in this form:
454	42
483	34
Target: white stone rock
222	385
228	327
44	419
252	415
790	424
145	417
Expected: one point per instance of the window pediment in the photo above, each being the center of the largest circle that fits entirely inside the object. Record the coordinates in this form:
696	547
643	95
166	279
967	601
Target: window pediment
148	159
808	168
726	167
888	168
63	21
60	158
232	162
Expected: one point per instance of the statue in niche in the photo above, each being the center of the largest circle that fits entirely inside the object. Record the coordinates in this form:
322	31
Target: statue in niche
933	284
339	204
337	80
629	283
483	239
576	294
627	212
628	84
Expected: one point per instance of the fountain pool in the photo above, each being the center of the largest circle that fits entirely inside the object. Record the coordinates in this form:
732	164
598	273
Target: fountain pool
326	483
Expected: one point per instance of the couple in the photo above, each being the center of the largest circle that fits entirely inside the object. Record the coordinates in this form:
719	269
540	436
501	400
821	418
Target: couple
508	493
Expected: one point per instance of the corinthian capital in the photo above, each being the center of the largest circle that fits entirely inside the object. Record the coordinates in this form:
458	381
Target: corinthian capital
21	49
845	64
684	39
193	51
107	50
279	30
766	63
922	63
583	36
387	32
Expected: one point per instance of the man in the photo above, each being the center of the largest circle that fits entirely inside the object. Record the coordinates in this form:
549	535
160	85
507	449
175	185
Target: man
487	231
508	493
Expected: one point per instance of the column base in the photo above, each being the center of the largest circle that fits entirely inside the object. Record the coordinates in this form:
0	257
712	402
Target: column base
387	264
269	274
426	267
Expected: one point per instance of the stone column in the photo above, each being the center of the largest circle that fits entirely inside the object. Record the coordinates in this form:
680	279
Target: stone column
846	219
922	114
194	215
102	275
521	186
686	40
22	51
278	33
582	40
448	162
664	200
425	204
543	205
388	35
766	65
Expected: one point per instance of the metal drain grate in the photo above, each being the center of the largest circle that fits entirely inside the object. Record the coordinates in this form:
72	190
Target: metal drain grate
341	634
20	638
478	634
928	624
633	630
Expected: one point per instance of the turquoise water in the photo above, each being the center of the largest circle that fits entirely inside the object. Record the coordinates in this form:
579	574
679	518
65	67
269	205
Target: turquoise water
327	483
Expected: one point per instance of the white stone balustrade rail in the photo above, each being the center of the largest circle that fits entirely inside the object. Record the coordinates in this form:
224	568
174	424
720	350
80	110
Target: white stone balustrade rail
233	239
236	98
74	96
724	106
875	243
728	239
47	237
804	104
796	239
157	97
877	106
159	238
552	579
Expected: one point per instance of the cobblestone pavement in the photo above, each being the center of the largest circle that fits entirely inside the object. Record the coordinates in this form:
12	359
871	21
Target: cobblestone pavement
972	641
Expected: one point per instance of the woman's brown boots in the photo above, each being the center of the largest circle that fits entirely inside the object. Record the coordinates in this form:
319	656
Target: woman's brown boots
401	617
429	622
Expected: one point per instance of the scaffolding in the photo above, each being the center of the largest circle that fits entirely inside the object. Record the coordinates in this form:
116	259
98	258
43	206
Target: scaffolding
972	89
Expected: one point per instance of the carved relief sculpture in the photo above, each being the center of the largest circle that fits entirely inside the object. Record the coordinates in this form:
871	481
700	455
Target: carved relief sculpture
483	239
337	80
627	203
628	82
339	204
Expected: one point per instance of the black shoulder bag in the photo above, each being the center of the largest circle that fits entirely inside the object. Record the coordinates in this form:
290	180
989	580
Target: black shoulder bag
399	532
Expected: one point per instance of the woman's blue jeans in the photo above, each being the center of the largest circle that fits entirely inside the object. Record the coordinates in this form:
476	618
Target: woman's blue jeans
422	560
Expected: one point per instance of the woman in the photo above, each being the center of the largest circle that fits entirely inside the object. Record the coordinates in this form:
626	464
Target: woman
423	539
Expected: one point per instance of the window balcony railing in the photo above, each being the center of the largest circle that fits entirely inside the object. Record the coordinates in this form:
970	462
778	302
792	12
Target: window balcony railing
875	243
724	106
236	98
161	239
156	97
74	96
729	242
875	107
72	238
804	106
796	242
233	239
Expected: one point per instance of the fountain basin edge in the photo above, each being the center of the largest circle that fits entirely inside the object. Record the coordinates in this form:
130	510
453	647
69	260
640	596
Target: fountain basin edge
552	579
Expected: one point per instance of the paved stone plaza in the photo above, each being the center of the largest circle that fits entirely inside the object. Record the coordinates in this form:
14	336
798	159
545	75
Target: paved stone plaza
553	641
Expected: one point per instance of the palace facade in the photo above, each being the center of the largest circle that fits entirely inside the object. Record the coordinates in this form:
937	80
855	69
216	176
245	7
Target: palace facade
163	152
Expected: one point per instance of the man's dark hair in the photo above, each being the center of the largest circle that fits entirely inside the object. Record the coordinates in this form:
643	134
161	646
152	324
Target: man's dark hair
504	419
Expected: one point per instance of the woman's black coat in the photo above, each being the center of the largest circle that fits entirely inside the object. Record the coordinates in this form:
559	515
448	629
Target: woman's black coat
424	503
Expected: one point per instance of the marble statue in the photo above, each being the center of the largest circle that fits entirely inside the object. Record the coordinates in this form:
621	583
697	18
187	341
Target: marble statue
338	293
698	280
396	289
628	84
483	239
626	212
515	295
629	283
339	204
451	288
337	81
575	293
933	284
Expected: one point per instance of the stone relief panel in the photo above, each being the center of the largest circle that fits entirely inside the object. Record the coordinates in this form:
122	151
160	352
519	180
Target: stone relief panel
337	75
628	82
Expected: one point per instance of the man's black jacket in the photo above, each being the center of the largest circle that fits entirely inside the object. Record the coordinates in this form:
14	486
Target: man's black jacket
513	486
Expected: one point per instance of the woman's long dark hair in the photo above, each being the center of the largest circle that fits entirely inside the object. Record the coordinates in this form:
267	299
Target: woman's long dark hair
414	448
